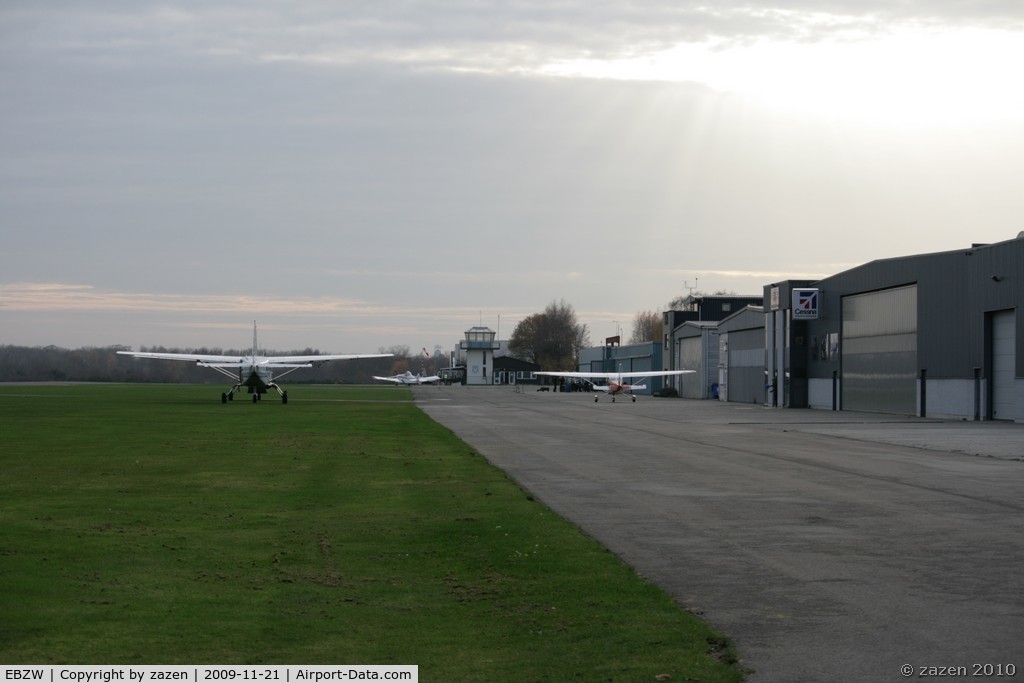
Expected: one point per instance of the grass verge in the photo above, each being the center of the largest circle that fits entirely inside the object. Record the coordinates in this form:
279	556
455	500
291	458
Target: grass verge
152	524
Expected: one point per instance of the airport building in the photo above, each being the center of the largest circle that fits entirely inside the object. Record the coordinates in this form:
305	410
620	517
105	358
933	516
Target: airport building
741	367
691	341
932	335
478	348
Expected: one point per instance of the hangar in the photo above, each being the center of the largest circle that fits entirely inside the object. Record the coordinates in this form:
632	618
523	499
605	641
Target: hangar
741	374
691	341
933	335
727	355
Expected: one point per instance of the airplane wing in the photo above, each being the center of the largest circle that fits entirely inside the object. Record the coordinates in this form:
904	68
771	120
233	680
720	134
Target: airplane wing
654	373
194	357
578	375
276	360
615	375
432	378
388	379
238	361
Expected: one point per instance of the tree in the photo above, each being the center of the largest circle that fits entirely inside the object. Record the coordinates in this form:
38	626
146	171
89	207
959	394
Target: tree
551	339
686	302
647	327
523	343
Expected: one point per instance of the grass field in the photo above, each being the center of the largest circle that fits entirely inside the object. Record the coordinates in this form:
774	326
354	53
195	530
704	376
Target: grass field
152	524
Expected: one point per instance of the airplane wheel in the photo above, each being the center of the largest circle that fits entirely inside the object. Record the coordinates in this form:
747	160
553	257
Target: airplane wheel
634	399
613	399
223	398
595	399
284	397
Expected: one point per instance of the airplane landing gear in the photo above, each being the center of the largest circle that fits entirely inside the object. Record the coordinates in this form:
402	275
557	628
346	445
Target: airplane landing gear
257	396
280	392
634	399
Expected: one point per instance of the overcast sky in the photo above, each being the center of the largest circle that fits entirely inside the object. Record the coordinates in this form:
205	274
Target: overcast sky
362	174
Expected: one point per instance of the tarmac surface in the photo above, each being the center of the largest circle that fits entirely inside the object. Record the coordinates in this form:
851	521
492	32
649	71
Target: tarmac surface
828	546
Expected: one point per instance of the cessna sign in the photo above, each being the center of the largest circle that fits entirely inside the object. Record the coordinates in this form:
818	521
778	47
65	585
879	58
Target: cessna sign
805	304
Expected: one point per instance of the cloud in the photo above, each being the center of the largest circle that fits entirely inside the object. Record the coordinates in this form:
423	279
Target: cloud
40	297
396	164
74	297
491	37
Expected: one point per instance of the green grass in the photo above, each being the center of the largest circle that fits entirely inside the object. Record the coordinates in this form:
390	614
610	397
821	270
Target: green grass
152	524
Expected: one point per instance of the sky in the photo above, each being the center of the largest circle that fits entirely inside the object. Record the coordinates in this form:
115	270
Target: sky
360	175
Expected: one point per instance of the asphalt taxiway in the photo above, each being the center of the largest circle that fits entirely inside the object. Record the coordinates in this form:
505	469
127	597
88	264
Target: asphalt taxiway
829	546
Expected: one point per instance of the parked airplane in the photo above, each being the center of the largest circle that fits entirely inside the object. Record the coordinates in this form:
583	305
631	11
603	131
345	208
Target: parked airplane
408	378
615	381
253	371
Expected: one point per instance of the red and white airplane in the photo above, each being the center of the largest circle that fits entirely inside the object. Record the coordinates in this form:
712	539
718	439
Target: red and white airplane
615	382
253	371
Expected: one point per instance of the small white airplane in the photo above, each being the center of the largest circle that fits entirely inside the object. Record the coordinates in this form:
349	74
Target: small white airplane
408	378
615	382
253	371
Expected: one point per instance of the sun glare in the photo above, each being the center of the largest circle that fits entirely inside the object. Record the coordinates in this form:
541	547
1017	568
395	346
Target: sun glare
905	74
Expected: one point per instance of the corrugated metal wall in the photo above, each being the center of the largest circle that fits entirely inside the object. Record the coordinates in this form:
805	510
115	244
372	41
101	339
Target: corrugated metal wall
746	366
879	351
1004	328
691	357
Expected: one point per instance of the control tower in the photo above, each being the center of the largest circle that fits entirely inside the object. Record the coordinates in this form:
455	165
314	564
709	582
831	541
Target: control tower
479	346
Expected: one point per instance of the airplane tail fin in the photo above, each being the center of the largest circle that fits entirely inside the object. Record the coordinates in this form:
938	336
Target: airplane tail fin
254	339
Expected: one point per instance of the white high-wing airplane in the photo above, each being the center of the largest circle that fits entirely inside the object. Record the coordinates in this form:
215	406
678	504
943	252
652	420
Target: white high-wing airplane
616	381
253	371
408	378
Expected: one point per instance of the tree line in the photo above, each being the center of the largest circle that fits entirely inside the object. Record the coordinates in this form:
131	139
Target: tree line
103	364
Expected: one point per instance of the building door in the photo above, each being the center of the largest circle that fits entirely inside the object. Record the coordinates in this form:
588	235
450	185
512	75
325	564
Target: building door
1004	364
691	386
879	351
723	366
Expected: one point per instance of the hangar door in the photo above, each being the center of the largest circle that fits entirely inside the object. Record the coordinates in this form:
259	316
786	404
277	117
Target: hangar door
1004	364
746	366
879	351
691	358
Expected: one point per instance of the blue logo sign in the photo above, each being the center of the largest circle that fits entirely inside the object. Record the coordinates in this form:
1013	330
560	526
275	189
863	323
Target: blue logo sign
805	304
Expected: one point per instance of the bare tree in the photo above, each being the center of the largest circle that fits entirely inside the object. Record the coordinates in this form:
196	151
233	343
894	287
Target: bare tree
686	302
647	327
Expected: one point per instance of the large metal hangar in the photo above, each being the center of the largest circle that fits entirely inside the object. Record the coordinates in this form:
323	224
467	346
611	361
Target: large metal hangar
741	375
691	342
727	357
697	344
936	335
